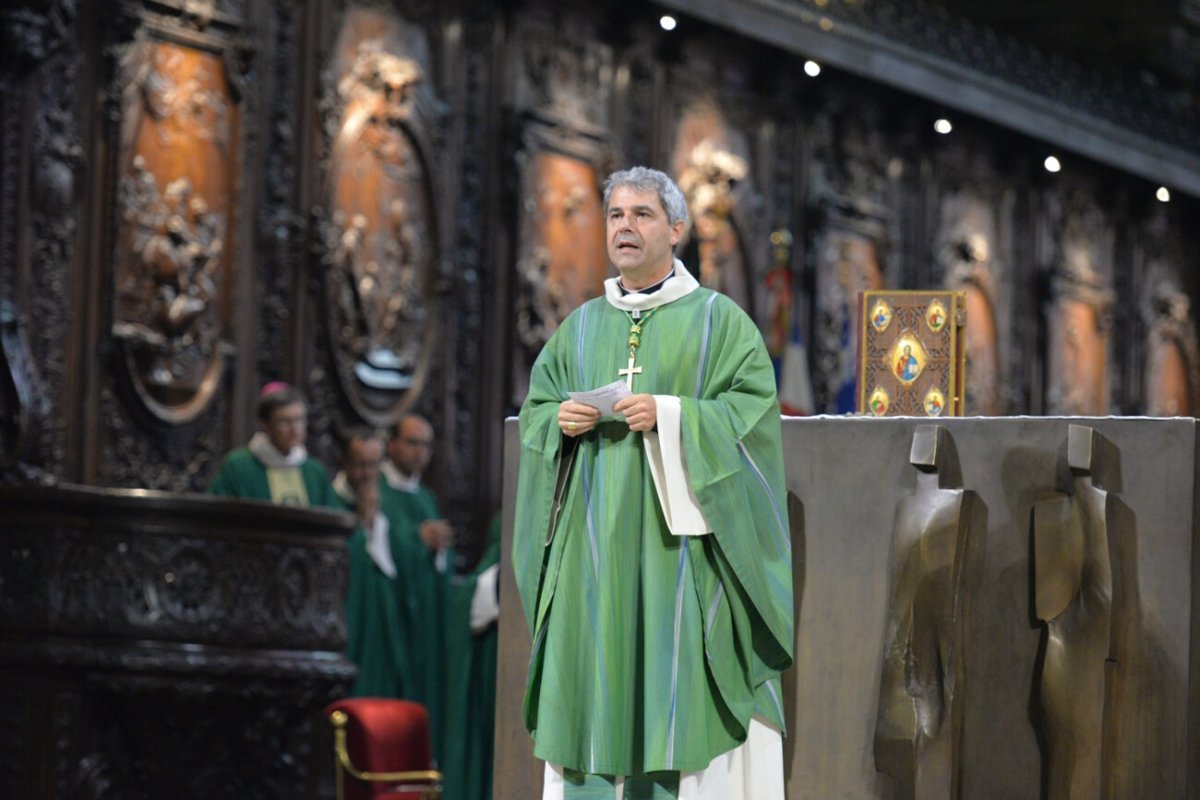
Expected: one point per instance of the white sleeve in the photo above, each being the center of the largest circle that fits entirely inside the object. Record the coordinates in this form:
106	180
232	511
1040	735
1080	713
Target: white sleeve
664	451
379	548
484	607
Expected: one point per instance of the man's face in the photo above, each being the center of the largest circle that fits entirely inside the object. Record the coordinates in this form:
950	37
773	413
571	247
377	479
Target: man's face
640	240
287	427
412	447
363	457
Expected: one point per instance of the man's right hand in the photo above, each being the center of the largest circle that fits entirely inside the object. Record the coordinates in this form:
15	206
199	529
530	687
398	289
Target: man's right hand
436	534
576	419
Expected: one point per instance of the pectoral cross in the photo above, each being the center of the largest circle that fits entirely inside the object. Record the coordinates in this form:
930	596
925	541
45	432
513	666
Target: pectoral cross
628	374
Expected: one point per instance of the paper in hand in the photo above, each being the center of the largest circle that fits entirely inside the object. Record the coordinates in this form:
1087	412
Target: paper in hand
603	398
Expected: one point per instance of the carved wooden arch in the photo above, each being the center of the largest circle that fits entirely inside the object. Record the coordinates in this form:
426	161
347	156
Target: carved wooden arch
179	169
380	215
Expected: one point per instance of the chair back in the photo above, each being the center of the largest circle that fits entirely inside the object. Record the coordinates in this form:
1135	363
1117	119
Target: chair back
382	749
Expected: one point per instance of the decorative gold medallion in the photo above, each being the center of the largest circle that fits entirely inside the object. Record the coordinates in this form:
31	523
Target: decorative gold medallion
907	358
935	316
879	402
935	403
881	316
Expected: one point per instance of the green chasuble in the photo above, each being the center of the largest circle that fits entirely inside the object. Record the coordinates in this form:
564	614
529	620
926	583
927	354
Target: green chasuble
652	651
471	686
446	667
374	634
421	596
243	475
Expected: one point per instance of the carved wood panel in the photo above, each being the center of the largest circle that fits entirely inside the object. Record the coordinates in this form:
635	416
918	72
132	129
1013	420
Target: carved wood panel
711	164
1170	362
39	182
966	256
850	222
1079	316
562	160
380	217
176	205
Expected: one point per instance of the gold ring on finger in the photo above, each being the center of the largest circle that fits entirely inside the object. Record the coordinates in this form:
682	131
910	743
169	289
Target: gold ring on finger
571	426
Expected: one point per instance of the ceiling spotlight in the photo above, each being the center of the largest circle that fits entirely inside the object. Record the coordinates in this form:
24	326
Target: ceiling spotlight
667	22
1052	164
1163	194
812	69
943	126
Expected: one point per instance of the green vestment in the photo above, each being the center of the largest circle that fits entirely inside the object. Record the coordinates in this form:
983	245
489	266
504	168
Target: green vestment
651	651
446	668
421	597
374	634
471	686
243	475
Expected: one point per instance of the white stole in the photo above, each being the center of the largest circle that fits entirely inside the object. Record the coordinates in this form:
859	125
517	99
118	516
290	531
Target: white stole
668	467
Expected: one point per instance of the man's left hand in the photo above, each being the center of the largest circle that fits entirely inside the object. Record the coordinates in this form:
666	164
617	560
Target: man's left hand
640	410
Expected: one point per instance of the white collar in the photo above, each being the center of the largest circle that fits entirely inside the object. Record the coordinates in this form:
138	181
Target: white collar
680	284
260	445
397	479
341	487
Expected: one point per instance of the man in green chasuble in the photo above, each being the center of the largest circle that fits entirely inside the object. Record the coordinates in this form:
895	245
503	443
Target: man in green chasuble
449	642
413	631
651	547
374	631
274	466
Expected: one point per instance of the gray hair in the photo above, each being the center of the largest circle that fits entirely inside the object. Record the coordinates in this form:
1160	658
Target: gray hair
644	179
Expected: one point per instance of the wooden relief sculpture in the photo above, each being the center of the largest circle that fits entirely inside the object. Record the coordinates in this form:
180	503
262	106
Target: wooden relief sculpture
850	205
176	202
563	261
562	89
935	553
1079	321
1172	367
1172	354
707	182
1078	591
710	164
967	259
848	263
380	234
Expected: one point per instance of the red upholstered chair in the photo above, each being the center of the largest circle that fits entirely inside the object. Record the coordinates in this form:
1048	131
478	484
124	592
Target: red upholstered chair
383	750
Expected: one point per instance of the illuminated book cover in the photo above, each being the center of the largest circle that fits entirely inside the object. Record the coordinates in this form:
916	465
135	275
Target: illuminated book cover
910	353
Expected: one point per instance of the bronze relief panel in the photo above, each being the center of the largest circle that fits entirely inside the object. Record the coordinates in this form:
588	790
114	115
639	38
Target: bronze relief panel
176	203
